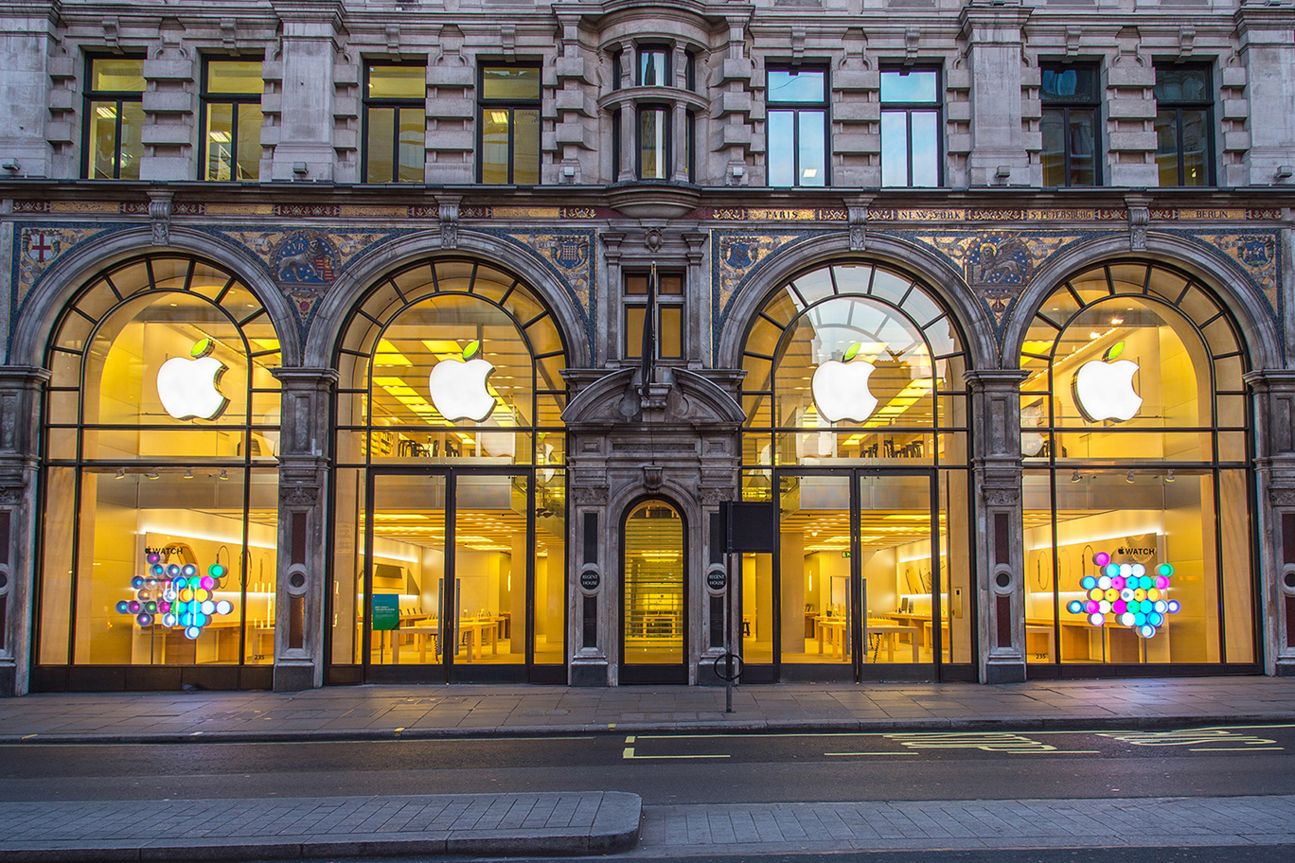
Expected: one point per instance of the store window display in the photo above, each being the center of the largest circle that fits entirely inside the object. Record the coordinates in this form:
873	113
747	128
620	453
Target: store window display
450	490
856	427
1137	503
160	486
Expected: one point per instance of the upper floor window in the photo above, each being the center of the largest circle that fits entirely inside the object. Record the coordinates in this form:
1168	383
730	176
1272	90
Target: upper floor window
395	110
114	111
231	120
1071	138
654	150
1184	125
669	314
653	66
510	125
910	127
797	127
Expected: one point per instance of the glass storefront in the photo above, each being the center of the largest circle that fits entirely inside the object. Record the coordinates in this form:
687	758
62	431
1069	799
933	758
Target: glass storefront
856	426
654	612
160	500
1136	493
449	537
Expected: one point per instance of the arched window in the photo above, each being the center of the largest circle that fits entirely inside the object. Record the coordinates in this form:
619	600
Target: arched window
160	505
856	425
654	588
1135	433
449	409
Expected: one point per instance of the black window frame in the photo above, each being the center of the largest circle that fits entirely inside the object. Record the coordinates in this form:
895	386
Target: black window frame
910	108
668	156
368	102
639	301
1065	106
794	108
666	63
120	97
1177	107
510	105
206	98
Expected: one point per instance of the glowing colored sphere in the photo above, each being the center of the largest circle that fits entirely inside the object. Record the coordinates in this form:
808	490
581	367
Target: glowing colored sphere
192	633
1165	569
137	582
216	570
164	606
158	570
134	607
1155	618
168	620
1112	570
1126	594
1119	606
1101	558
189	569
1162	606
208	607
208	583
1162	582
144	620
169	594
1174	605
1096	619
173	570
1104	607
153	557
1126	569
1095	593
150	607
201	595
1139	619
1118	582
1074	607
1091	606
123	607
1104	582
1146	631
1087	582
1139	569
1127	619
224	607
186	595
1139	594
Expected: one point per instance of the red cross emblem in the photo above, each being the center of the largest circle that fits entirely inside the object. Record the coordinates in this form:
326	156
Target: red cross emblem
42	246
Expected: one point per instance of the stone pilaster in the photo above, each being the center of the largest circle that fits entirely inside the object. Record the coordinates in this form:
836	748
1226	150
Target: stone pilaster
303	575
994	40
1273	391
1269	55
302	112
996	477
20	398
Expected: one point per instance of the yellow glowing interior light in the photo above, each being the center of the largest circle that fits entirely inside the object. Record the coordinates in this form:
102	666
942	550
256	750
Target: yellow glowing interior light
108	112
388	354
266	344
913	392
444	348
500	117
219	136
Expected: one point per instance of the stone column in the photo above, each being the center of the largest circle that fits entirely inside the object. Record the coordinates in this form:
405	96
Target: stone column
20	398
304	138
303	572
1000	556
35	108
1273	391
994	40
1269	55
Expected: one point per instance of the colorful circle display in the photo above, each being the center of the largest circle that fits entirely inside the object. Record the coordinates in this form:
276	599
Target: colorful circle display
175	595
1126	595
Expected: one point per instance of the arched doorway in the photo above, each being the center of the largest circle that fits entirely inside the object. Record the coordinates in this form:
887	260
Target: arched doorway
449	553
1137	499
654	594
159	482
856	428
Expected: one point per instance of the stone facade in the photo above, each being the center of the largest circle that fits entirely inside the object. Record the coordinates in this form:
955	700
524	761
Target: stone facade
574	234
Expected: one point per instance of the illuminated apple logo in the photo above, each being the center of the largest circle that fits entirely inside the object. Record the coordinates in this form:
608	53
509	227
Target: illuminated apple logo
1104	388
188	386
458	387
840	389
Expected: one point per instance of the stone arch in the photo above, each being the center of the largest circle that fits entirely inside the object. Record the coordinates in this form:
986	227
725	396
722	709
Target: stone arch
915	260
41	308
1250	309
334	311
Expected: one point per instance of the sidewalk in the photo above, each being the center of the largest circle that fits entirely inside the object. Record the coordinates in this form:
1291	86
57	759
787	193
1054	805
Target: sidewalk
283	828
384	712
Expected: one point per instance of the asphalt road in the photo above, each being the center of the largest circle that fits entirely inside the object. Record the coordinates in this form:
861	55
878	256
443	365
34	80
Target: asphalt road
674	769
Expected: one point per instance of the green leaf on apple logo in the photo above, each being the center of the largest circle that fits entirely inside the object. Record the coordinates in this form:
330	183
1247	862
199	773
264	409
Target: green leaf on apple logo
202	347
1115	350
471	350
851	352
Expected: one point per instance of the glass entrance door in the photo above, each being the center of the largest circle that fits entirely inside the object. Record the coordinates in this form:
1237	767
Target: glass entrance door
858	568
654	607
445	575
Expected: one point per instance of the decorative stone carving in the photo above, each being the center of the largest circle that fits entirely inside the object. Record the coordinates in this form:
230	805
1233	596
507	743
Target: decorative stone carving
1139	218
448	213
159	215
299	495
857	206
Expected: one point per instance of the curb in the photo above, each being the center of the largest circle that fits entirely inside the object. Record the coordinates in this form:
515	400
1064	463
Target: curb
615	829
737	726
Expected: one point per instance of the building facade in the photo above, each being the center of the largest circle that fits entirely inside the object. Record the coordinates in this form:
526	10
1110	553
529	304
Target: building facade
326	323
